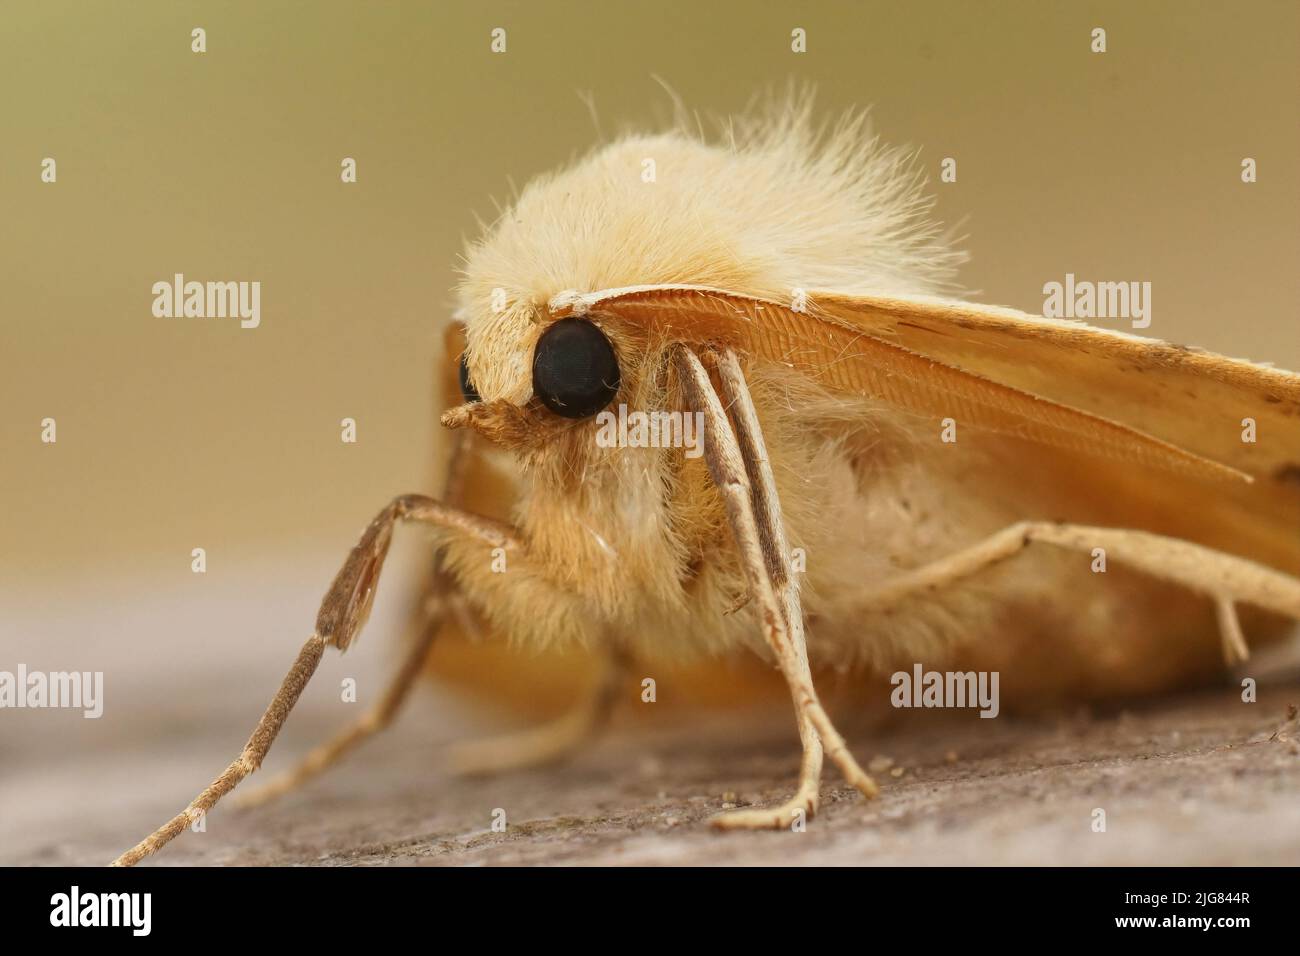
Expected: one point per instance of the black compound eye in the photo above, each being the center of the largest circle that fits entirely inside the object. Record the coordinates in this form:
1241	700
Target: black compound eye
575	371
467	388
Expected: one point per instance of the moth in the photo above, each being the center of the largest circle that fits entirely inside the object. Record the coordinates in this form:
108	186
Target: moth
888	474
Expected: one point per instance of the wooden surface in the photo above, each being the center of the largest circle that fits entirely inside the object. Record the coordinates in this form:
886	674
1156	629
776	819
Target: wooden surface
1197	779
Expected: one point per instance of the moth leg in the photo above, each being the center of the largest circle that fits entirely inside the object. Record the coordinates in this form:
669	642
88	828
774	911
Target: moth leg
552	741
776	556
727	465
441	598
342	613
1225	578
377	718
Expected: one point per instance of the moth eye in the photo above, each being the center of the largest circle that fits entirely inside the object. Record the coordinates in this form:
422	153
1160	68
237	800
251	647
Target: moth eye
467	388
575	371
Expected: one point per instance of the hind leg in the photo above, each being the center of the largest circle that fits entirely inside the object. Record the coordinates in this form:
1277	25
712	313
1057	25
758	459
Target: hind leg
1225	578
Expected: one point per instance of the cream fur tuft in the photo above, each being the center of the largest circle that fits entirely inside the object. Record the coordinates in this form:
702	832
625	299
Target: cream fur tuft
777	203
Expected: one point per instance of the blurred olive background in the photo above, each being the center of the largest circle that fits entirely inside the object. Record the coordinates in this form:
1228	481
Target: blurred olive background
175	433
182	433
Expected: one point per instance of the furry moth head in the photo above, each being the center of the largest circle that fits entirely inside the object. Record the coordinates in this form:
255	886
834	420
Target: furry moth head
776	206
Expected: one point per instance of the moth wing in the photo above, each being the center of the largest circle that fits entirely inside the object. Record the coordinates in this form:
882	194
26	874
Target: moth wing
1162	424
1186	396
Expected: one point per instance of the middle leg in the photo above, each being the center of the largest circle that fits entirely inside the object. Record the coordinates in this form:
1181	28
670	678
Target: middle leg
554	740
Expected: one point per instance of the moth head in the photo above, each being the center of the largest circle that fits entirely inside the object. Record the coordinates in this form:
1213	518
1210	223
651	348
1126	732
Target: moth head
539	384
775	206
574	370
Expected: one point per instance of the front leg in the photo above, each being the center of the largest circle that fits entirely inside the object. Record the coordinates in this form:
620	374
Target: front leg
442	601
342	613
